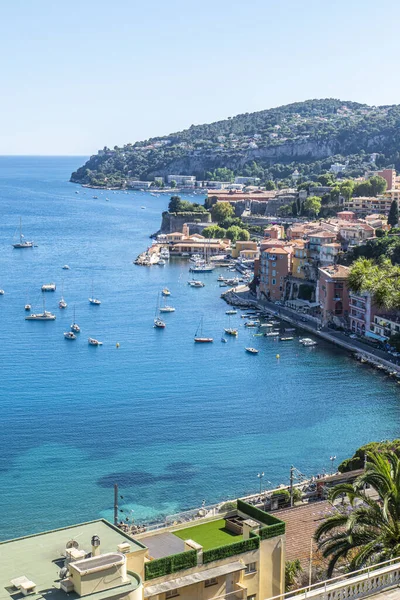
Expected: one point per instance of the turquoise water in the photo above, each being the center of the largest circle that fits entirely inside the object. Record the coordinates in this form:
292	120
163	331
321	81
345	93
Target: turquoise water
172	422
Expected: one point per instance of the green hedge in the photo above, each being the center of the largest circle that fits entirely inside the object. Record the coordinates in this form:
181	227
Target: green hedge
170	564
231	549
274	526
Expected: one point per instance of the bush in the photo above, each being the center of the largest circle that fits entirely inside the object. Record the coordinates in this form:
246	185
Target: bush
170	564
228	506
231	549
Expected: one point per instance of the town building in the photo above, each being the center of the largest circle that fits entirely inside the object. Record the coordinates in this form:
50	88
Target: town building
275	232
328	253
182	180
346	215
241	246
247	180
275	266
139	185
237	555
386	325
361	313
389	175
333	294
337	168
197	244
318	239
356	233
366	205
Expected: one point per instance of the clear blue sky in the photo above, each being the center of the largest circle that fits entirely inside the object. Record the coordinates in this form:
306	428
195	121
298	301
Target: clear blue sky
78	75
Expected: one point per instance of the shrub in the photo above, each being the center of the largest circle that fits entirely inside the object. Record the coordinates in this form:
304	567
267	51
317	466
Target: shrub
170	564
231	549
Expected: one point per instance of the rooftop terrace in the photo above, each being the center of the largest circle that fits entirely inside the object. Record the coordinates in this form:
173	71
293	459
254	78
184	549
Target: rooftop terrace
209	535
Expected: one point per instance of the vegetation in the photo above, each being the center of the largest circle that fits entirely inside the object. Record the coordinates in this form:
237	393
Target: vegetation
262	144
293	570
380	278
235	233
312	206
366	531
371	187
170	564
231	549
214	231
222	211
210	535
393	217
177	205
358	458
230	505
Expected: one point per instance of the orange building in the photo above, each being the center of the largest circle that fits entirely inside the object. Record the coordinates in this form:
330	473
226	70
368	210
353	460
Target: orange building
275	266
333	293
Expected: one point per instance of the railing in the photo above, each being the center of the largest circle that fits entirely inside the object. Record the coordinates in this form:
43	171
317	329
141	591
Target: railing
239	594
358	584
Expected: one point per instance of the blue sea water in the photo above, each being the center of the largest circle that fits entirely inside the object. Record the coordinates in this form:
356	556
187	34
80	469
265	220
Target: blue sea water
172	422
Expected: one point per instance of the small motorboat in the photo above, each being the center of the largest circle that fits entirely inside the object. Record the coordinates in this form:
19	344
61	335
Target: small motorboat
159	323
66	268
224	340
166	292
252	323
62	303
230	331
95	301
28	307
271	334
69	335
252	350
1	292
289	329
220	278
49	287
196	283
307	342
94	342
286	338
231	312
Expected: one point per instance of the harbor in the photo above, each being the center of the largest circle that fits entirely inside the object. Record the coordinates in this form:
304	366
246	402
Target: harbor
162	415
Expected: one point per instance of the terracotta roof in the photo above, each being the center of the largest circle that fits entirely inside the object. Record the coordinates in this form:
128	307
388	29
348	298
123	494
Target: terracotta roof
322	234
301	523
277	250
336	272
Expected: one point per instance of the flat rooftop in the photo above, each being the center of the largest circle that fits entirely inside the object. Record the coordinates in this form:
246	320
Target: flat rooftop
209	535
40	557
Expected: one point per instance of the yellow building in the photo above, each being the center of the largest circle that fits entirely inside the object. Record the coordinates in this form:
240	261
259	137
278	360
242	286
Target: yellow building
299	258
242	245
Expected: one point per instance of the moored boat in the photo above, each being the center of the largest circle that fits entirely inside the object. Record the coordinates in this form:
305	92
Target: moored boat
199	338
23	243
69	335
286	338
166	292
252	350
231	331
49	287
94	342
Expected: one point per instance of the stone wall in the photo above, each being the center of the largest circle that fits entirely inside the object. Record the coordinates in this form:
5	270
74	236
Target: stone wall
173	222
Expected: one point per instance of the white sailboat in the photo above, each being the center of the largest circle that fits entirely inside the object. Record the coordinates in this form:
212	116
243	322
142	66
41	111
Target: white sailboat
199	337
75	327
62	303
158	322
94	300
23	243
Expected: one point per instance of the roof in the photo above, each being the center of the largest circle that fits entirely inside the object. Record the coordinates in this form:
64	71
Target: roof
175	233
276	250
335	272
164	544
179	582
39	557
332	245
323	234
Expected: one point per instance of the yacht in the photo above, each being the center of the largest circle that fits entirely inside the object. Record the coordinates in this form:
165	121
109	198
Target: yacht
44	316
1	292
66	268
69	335
231	312
252	350
49	287
166	292
230	331
94	342
202	268
28	307
167	309
196	283
307	342
23	243
159	323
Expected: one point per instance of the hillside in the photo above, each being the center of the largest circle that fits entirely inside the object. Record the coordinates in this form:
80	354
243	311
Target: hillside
308	136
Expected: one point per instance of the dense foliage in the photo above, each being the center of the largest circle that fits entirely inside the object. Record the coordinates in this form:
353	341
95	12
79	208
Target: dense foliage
170	564
358	458
177	205
366	530
307	137
380	278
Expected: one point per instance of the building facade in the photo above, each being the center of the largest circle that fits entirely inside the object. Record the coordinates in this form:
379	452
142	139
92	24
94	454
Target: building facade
275	266
333	294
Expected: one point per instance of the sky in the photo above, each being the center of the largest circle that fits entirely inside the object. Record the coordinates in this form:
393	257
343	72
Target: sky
78	75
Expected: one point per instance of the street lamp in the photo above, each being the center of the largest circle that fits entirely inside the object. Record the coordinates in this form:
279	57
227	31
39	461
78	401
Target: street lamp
332	459
260	476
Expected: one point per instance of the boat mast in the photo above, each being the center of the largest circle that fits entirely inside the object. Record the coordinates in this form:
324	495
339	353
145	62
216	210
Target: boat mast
20	229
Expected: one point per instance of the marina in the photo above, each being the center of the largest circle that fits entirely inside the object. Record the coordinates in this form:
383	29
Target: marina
112	411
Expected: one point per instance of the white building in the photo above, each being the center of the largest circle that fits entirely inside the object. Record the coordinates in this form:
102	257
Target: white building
139	185
187	180
247	180
337	168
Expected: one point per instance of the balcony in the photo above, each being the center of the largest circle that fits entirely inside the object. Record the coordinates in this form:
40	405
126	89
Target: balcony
372	581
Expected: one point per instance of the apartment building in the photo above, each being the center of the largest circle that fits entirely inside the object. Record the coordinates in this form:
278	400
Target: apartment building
386	325
238	555
333	294
328	253
182	180
319	239
362	311
389	175
275	266
366	205
356	233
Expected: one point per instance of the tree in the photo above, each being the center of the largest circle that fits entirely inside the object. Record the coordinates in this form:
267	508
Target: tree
285	210
380	278
292	570
393	217
312	206
326	179
173	183
175	204
214	231
270	185
347	189
369	532
232	233
244	235
222	211
220	174
378	185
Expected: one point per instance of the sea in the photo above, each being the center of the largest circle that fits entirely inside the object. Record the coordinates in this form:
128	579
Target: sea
174	423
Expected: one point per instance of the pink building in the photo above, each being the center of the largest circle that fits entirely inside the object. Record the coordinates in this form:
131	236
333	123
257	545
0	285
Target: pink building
346	215
389	175
362	313
333	294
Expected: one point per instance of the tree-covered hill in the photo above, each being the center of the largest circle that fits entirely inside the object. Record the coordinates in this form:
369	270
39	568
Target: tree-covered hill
305	136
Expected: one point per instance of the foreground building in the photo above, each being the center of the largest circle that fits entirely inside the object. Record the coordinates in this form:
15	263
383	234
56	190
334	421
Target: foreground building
239	555
333	294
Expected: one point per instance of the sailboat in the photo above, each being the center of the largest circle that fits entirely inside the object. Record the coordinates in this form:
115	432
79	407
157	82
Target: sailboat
23	243
27	305
62	303
166	308
75	327
230	330
94	300
159	323
44	316
200	339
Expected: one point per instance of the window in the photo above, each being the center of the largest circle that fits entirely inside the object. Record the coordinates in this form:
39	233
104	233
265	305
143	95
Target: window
252	597
212	581
251	568
274	282
171	593
274	264
273	272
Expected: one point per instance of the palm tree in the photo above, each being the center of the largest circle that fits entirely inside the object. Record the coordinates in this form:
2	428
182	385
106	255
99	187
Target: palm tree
367	531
